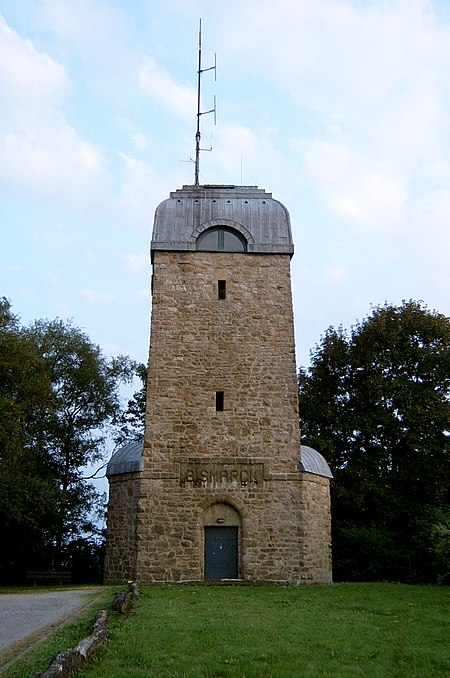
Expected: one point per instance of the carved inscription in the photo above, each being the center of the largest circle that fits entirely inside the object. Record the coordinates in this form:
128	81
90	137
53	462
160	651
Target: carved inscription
221	474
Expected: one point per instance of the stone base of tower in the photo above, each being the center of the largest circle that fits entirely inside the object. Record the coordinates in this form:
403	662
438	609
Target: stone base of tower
121	542
258	529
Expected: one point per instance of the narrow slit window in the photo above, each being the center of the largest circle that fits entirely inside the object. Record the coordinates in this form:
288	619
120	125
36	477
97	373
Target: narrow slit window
219	401
222	289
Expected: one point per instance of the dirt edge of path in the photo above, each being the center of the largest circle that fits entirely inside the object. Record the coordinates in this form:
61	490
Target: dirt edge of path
21	648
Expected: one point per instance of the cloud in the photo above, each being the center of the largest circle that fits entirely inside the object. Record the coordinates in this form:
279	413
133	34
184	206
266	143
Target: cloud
335	50
39	149
94	29
181	100
54	235
232	144
335	273
138	263
431	216
243	155
138	189
352	186
372	81
26	74
140	141
97	298
50	160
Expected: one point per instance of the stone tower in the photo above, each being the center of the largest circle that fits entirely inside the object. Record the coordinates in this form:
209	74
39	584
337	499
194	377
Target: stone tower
219	488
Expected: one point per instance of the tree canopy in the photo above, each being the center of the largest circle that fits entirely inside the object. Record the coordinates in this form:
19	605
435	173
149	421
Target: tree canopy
375	403
28	488
59	398
131	422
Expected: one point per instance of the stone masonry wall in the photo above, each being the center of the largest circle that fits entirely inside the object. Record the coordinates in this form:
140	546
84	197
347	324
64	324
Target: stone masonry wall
317	535
245	456
272	532
284	530
121	544
242	345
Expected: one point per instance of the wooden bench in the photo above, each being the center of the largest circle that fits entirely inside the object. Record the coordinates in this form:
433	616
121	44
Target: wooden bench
49	577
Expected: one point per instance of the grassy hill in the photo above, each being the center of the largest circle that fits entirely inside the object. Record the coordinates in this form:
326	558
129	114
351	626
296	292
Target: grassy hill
373	630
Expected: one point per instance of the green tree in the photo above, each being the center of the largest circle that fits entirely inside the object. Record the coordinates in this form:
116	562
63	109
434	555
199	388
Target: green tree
59	402
131	422
85	387
28	488
375	402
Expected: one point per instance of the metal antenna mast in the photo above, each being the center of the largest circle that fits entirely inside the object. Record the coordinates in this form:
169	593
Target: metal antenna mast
199	112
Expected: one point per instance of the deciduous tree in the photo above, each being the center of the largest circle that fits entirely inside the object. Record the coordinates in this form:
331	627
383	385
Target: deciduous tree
28	488
131	422
85	387
375	402
59	401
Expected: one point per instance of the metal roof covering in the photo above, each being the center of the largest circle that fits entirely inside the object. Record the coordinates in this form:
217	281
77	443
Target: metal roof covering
312	461
127	459
262	220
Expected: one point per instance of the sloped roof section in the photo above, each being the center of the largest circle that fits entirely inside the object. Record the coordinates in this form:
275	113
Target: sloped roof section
312	461
127	459
189	211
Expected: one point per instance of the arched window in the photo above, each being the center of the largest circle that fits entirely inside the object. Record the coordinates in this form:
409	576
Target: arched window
221	239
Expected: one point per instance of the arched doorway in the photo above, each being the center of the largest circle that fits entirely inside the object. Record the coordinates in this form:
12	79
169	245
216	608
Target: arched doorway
221	542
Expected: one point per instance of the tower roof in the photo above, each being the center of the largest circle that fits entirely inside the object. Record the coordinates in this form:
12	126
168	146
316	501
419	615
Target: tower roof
127	459
311	461
191	210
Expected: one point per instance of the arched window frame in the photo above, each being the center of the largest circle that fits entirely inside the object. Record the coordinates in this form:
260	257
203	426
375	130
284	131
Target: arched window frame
220	245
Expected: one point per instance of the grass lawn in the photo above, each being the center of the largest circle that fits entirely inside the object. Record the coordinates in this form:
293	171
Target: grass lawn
370	630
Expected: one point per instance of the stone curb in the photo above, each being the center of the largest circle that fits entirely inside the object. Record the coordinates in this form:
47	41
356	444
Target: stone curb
76	658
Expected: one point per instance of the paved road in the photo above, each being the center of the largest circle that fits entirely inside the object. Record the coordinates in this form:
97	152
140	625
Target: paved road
23	615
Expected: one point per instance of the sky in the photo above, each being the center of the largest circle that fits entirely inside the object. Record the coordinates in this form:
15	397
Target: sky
340	108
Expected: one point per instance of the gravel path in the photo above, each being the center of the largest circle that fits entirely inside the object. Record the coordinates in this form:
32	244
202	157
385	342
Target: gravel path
23	615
